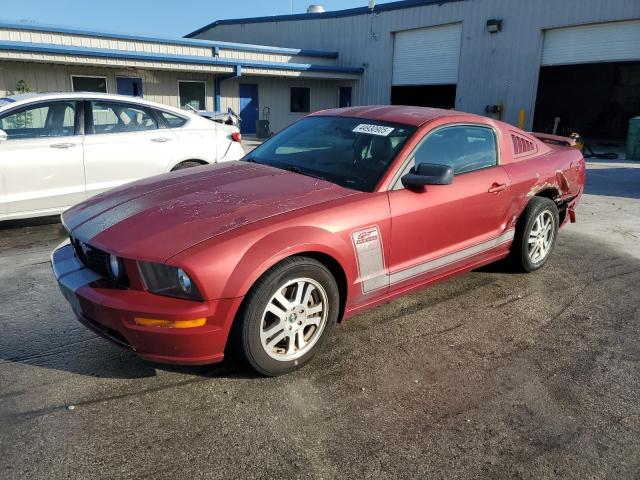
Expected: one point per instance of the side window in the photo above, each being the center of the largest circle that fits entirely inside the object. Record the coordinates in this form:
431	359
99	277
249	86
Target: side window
51	119
115	117
173	121
465	148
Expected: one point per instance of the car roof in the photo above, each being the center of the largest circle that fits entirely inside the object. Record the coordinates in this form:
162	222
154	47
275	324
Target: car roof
25	98
403	114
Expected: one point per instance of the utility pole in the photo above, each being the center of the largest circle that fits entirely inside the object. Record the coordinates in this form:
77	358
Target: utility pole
291	7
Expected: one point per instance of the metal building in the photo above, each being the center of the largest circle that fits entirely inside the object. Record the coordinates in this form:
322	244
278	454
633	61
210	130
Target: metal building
526	61
205	75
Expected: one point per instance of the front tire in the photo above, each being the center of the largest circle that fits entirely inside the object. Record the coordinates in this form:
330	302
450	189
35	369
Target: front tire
536	234
287	316
187	164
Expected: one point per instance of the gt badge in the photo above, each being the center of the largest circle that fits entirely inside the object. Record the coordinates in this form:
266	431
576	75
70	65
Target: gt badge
368	248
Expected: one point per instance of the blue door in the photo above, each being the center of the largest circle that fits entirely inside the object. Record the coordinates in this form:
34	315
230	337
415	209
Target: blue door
249	108
131	86
345	97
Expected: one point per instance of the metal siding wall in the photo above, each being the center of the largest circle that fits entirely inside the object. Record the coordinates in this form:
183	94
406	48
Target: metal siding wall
157	86
496	68
88	41
275	94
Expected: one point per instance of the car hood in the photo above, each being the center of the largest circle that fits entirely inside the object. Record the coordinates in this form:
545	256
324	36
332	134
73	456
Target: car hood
156	218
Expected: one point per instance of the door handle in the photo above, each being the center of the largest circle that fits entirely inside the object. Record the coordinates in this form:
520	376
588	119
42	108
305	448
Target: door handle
497	187
62	145
161	139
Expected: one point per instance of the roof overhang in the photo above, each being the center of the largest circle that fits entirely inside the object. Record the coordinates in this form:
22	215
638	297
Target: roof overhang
243	47
67	54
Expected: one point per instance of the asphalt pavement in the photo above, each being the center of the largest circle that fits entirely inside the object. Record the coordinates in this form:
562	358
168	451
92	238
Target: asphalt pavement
488	375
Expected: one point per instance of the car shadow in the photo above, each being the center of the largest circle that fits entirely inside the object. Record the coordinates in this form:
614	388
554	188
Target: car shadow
29	222
623	182
95	357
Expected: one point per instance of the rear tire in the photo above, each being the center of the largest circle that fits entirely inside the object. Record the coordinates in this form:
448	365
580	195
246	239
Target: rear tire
535	236
287	316
187	164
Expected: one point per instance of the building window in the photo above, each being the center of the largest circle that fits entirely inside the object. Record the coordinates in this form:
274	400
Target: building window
81	83
192	94
300	99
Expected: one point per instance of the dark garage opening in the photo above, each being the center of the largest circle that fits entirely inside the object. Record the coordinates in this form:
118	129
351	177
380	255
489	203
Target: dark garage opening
438	96
595	99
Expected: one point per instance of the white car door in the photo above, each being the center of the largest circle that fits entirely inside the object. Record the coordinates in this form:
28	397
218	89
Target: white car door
41	165
124	143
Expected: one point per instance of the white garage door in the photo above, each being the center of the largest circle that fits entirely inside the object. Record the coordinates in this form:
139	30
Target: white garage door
601	42
427	56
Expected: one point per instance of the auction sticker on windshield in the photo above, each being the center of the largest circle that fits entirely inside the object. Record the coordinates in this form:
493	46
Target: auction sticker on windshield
373	129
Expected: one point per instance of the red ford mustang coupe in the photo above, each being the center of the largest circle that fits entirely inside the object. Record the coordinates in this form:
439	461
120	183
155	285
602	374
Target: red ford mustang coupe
340	212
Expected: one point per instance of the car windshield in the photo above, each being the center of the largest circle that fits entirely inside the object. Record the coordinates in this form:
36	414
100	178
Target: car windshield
351	152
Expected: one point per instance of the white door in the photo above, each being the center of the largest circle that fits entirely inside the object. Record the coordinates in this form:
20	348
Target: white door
600	42
41	165
126	144
427	56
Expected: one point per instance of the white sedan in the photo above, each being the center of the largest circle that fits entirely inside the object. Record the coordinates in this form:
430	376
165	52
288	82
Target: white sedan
58	149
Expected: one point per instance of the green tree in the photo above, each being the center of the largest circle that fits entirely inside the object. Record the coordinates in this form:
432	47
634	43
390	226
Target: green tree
21	120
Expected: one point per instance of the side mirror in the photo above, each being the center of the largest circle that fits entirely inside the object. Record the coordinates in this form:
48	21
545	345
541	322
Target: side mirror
428	174
3	136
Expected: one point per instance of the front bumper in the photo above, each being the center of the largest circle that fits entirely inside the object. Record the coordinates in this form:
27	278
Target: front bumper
110	311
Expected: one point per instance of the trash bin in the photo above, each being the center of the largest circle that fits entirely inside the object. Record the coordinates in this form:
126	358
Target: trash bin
633	139
262	128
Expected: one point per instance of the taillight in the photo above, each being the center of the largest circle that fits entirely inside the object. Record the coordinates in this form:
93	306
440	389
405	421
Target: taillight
236	137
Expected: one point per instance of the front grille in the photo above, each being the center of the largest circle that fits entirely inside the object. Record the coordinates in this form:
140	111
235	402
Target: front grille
95	259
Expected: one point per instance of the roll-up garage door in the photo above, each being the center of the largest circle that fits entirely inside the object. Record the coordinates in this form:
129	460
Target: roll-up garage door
601	42
427	56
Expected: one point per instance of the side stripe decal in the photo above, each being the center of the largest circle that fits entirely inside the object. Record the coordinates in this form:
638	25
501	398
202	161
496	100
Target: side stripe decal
368	247
425	267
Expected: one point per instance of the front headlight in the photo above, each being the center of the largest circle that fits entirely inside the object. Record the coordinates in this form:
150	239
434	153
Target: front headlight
167	280
115	269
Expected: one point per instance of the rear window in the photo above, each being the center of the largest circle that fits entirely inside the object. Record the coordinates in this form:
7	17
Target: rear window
173	121
351	152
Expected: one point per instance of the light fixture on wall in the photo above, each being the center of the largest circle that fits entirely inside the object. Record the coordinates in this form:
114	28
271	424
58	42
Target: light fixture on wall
494	25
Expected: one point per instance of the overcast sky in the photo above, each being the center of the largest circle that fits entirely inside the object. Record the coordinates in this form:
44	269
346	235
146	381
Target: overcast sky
166	18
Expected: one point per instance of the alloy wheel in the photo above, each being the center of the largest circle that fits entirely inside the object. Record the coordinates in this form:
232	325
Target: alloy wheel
294	319
541	236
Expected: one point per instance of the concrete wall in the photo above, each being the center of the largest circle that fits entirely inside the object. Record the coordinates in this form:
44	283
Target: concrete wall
157	86
275	94
494	68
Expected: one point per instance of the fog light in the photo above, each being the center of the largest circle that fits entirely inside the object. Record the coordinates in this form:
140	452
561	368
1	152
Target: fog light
155	322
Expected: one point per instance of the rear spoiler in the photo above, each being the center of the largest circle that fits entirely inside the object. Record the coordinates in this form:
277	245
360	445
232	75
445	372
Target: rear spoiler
574	141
